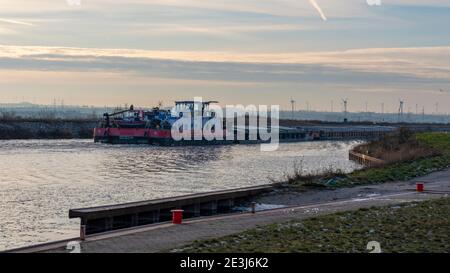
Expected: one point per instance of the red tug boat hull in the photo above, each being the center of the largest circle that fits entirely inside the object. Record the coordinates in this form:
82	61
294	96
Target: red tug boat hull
132	135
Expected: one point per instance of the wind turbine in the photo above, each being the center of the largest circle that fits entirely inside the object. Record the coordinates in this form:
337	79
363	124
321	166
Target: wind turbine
345	104
292	107
400	109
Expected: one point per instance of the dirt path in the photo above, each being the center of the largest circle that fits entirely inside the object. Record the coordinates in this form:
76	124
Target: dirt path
433	181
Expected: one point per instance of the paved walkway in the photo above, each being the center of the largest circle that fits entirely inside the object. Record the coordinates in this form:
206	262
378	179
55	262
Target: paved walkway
165	237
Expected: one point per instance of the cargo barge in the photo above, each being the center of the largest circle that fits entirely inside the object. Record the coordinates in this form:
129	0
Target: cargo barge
137	126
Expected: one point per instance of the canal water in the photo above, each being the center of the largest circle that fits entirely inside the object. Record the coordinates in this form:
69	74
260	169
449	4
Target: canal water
40	180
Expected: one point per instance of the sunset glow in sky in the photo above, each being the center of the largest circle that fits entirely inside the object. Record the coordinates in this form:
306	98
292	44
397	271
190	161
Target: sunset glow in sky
109	52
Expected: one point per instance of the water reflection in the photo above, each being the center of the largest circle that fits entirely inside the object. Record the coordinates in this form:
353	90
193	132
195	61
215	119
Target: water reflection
42	180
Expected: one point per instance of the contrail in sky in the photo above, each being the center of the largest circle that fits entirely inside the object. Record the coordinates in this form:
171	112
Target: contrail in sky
15	22
317	7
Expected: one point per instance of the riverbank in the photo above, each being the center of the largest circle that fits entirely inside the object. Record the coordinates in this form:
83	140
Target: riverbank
408	228
166	237
46	129
404	170
417	227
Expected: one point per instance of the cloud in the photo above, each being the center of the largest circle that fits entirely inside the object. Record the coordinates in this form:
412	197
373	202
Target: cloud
15	22
6	31
319	10
229	29
241	25
294	8
364	66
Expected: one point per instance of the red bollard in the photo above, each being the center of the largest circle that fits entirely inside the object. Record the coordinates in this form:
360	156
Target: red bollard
177	216
420	187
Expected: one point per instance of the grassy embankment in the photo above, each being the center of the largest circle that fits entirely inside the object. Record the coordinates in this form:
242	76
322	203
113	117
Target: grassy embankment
414	227
414	156
410	228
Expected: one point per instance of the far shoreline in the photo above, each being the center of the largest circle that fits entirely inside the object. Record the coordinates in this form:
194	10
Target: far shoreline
28	129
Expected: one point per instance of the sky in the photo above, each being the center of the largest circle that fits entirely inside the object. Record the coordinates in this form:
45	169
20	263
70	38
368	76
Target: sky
317	52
